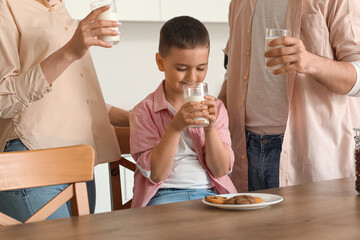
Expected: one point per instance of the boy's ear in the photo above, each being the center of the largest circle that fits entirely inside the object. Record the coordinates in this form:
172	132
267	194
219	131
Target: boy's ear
160	62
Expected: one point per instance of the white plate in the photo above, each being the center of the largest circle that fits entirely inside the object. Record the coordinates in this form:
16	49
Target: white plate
268	199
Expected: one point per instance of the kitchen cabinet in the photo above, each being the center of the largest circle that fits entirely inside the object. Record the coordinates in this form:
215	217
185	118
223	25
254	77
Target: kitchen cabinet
128	10
158	10
204	10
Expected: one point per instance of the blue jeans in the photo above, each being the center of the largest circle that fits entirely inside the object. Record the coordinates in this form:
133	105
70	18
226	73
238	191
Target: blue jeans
263	152
171	195
21	204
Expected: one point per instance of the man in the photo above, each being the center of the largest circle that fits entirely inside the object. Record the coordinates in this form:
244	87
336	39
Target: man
292	125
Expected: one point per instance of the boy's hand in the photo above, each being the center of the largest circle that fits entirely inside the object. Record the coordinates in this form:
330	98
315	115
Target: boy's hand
211	112
187	114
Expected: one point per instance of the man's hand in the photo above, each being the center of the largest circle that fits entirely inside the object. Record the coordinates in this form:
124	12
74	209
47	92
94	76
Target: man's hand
293	55
338	76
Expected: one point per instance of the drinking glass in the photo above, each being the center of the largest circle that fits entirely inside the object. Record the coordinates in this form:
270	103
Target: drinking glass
271	34
195	92
110	14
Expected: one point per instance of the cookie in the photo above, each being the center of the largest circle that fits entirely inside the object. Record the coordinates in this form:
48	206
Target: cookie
215	199
258	200
243	199
230	201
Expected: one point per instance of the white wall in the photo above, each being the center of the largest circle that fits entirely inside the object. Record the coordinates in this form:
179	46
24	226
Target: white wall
128	73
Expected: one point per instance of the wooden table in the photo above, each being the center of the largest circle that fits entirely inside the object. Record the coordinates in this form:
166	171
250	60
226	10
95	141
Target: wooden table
323	210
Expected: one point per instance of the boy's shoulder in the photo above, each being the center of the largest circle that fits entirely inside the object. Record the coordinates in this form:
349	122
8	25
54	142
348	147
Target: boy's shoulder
219	104
145	105
152	102
218	101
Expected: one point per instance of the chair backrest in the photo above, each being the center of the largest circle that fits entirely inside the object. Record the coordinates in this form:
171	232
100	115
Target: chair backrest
123	137
66	165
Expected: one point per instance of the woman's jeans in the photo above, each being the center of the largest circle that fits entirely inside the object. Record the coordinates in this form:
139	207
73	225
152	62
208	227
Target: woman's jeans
263	152
171	195
21	204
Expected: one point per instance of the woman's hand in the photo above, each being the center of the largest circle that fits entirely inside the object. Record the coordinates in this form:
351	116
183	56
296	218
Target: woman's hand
84	37
88	29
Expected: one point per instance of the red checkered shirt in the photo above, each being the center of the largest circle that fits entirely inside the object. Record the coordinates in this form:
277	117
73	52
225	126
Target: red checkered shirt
148	122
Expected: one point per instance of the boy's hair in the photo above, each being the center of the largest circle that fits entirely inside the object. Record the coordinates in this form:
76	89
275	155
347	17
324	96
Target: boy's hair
183	32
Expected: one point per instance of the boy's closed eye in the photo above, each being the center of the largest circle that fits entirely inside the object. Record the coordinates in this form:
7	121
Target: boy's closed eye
184	69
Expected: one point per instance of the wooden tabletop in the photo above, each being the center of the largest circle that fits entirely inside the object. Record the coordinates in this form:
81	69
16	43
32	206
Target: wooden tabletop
323	210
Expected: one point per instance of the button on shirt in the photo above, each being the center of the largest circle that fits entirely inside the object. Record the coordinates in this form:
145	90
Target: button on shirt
71	111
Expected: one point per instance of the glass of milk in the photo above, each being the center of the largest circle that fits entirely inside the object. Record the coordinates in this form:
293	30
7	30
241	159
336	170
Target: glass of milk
271	34
195	92
110	14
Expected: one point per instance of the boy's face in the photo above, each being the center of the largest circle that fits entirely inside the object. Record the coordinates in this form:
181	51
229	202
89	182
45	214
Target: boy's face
182	66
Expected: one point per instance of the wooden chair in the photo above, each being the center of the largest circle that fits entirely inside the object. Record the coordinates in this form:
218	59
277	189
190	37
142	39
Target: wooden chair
67	165
123	136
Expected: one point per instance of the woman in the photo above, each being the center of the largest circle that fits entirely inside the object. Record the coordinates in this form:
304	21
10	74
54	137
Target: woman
49	92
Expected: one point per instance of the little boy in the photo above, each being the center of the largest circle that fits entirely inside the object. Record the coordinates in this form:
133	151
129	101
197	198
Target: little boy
174	162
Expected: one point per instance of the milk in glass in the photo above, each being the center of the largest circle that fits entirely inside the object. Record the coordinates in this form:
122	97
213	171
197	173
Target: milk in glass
267	48
271	34
197	99
196	93
111	15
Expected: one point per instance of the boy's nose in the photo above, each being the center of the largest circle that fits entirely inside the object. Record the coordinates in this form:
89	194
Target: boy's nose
191	76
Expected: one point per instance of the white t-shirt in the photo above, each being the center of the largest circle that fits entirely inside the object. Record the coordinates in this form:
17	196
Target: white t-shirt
186	173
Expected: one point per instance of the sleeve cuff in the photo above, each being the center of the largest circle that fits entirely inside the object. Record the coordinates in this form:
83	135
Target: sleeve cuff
143	171
32	85
355	91
147	175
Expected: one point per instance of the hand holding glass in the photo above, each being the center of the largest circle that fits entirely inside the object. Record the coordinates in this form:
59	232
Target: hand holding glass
111	15
195	92
271	34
